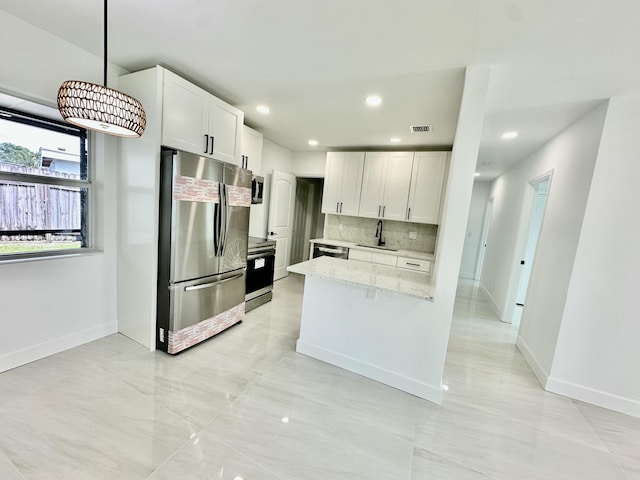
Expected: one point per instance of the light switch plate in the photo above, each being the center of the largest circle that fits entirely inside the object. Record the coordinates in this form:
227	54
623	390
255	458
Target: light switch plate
413	235
340	227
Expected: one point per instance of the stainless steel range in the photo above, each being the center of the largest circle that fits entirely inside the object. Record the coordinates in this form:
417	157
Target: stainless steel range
261	255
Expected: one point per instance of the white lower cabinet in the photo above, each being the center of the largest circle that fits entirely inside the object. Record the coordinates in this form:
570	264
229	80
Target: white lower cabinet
384	259
373	257
359	255
414	264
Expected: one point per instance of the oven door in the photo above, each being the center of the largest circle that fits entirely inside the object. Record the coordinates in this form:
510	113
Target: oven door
260	268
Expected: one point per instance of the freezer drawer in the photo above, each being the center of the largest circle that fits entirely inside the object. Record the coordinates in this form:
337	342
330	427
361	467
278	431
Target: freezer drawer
185	304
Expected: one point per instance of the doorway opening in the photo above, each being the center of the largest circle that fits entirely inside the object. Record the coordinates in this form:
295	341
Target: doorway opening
488	213
537	200
308	221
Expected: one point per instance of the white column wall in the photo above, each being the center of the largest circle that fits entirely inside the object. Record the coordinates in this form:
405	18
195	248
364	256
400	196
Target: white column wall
457	196
473	235
571	157
597	358
50	305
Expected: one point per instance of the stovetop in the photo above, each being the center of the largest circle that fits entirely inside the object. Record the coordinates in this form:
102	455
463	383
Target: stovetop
257	242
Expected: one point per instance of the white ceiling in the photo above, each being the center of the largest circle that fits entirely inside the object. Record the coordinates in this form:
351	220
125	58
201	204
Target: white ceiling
314	62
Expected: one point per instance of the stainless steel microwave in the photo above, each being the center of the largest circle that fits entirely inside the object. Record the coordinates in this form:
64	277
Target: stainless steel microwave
257	189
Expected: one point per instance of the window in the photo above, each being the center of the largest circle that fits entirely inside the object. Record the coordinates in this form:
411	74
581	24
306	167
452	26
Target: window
44	185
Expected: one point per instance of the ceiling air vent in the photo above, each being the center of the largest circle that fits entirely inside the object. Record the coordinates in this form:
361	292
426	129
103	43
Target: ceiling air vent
421	128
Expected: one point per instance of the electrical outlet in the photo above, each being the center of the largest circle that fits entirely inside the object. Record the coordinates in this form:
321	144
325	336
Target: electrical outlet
413	235
340	227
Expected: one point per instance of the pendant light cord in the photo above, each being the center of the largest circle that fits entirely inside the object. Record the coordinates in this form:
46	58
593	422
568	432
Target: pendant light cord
105	44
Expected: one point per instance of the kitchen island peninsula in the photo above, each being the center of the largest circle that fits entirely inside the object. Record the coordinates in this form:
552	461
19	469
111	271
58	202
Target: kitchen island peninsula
374	320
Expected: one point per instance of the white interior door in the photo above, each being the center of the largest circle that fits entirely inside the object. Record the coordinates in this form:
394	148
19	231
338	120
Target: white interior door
280	226
535	223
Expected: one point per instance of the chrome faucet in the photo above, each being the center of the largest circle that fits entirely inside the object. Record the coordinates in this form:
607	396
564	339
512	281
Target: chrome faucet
379	234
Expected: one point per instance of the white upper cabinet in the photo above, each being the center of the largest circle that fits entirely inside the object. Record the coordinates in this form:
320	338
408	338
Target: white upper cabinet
198	122
385	185
252	149
427	182
373	184
342	183
185	115
225	131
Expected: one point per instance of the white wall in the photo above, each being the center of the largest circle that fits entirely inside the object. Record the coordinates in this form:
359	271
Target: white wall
571	157
597	358
309	164
274	157
54	304
475	222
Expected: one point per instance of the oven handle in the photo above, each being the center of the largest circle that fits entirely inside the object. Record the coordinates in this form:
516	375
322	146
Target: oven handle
268	248
265	254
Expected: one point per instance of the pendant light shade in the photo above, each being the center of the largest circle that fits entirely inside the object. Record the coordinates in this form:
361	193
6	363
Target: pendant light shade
100	108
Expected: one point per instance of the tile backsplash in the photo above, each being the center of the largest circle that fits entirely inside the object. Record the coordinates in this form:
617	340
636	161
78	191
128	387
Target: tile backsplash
395	234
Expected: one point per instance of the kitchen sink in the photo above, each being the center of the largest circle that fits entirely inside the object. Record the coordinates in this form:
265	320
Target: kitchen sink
379	248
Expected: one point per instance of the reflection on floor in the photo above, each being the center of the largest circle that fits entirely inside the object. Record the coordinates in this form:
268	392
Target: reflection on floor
245	406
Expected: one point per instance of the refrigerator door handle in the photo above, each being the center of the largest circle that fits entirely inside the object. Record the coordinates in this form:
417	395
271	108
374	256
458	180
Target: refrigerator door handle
217	234
224	199
211	284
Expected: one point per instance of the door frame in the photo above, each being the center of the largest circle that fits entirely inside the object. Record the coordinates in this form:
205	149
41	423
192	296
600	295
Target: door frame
522	237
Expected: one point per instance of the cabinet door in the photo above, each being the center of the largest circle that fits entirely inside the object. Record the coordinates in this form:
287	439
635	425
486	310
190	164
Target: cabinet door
185	115
397	181
252	149
351	183
332	182
373	184
225	126
427	181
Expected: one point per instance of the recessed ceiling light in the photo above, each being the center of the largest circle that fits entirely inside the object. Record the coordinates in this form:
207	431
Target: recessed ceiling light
373	101
313	143
263	109
395	140
476	174
509	135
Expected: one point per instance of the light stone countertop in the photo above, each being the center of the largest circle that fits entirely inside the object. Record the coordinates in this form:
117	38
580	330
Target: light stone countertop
379	277
355	246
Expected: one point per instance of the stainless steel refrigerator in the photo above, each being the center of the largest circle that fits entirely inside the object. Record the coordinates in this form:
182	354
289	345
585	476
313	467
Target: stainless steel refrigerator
202	254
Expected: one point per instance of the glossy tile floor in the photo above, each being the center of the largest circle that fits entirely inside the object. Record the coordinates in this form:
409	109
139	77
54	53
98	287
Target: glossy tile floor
245	406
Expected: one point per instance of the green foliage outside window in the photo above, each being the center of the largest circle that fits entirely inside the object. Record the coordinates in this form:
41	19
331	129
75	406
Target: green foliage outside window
18	155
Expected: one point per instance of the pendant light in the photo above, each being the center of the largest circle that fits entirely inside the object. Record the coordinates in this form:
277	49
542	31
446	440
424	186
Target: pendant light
99	108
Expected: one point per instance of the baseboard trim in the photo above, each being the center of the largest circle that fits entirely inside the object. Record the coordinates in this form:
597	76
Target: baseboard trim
533	362
406	384
56	345
607	400
492	301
